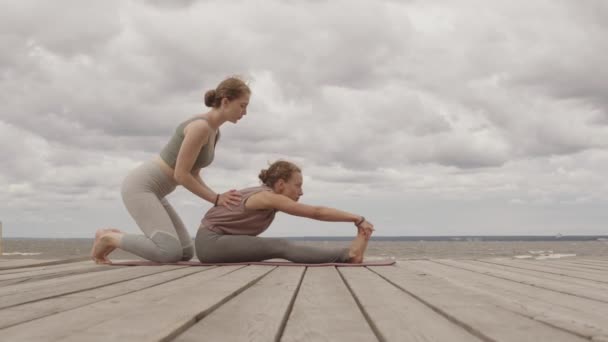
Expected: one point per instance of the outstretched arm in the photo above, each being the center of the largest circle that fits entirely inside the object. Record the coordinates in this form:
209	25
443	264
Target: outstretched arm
270	200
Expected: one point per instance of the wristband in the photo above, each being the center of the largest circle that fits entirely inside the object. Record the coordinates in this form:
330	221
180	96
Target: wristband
360	221
216	199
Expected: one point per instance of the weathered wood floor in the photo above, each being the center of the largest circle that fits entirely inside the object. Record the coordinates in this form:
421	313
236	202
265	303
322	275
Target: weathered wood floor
415	300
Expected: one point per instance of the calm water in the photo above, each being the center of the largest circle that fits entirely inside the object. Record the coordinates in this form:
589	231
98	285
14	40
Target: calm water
382	247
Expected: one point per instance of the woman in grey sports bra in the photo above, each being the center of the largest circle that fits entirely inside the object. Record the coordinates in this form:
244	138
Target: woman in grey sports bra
189	150
231	235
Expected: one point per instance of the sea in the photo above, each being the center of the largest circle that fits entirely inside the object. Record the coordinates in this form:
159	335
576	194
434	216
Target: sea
379	247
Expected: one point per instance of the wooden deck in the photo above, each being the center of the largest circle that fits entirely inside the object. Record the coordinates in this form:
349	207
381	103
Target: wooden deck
415	300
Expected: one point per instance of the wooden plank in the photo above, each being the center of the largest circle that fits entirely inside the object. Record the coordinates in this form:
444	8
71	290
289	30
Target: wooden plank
324	310
50	272
570	262
601	275
565	286
28	312
44	268
543	267
25	293
7	264
260	311
398	316
596	261
550	276
472	310
11	264
156	313
579	315
572	268
580	265
552	270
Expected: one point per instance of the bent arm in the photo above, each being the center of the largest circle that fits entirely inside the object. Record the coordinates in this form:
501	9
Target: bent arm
197	176
195	137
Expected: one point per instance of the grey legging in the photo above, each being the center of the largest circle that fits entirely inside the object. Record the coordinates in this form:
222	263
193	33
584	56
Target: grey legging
214	247
166	239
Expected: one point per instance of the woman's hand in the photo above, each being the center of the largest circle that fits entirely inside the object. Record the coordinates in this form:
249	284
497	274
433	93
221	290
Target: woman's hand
366	228
229	198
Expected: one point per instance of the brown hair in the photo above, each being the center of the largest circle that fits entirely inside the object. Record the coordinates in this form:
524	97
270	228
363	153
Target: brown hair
230	88
280	169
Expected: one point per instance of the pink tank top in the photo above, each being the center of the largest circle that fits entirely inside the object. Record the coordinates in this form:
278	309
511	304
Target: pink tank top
239	220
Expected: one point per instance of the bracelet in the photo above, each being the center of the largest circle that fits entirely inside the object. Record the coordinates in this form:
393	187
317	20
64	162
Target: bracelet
216	199
360	221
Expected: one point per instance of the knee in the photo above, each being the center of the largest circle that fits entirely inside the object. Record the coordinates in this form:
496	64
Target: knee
168	256
169	248
187	253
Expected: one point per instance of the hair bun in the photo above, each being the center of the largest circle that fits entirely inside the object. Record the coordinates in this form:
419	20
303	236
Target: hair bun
210	98
280	169
263	176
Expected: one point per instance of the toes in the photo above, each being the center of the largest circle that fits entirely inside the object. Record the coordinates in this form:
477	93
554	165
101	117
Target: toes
93	248
107	252
98	251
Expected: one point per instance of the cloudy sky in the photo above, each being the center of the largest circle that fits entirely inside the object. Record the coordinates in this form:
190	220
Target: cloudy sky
428	117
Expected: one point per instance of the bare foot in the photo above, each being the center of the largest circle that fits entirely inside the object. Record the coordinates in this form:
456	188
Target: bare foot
107	230
357	249
98	235
105	242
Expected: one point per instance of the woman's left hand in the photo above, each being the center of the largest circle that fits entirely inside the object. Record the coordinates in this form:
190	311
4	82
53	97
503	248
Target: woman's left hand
229	198
366	228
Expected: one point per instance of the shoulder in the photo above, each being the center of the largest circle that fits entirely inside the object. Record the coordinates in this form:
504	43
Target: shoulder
197	122
261	198
272	200
197	127
258	191
266	194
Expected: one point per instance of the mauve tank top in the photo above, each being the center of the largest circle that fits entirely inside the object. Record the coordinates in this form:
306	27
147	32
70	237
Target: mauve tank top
239	220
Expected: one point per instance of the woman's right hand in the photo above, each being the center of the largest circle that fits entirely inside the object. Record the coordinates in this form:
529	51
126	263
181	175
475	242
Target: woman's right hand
229	198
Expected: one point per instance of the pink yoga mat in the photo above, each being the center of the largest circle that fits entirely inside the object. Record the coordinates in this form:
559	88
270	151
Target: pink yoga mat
269	263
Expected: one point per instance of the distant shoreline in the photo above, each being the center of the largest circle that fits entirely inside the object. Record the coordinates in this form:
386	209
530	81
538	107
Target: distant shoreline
464	238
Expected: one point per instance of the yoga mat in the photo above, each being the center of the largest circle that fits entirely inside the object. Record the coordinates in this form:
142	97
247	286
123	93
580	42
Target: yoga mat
387	262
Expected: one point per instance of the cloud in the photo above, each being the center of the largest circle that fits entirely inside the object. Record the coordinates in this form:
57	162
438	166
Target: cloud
71	29
386	100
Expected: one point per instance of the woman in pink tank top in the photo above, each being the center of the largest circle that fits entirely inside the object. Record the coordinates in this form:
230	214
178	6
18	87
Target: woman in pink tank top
230	235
